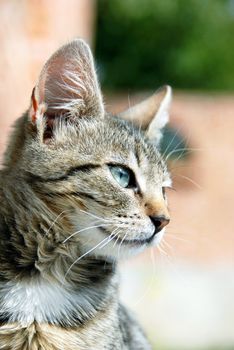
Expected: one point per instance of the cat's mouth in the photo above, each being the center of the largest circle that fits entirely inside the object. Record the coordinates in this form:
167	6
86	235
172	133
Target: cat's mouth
130	241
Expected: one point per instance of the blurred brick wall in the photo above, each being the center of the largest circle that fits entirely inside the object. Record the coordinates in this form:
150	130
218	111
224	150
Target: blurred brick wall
29	33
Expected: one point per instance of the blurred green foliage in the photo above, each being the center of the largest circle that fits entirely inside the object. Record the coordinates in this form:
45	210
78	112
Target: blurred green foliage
142	44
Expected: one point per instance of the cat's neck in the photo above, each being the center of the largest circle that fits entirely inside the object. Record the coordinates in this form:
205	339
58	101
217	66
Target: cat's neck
47	301
48	292
37	282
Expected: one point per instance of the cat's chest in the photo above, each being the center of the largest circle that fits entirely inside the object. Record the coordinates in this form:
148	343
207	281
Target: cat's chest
30	304
43	302
37	300
99	334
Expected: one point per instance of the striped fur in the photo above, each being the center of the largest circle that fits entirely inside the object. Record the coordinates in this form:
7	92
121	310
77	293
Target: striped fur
65	221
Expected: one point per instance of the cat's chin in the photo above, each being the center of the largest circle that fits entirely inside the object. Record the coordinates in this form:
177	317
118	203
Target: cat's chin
118	249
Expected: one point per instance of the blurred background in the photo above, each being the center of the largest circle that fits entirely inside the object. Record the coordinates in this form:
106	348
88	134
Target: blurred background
182	292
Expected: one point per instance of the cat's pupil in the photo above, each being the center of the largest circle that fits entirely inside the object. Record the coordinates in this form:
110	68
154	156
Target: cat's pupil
121	175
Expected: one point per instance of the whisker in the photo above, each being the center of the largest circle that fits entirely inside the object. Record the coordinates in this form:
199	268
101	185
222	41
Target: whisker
189	179
181	150
85	229
177	238
122	242
183	166
94	216
56	219
88	252
162	251
177	149
173	138
110	236
83	255
111	239
116	241
167	245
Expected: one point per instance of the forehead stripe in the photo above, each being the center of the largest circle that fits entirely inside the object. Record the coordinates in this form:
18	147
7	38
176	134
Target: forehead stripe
85	167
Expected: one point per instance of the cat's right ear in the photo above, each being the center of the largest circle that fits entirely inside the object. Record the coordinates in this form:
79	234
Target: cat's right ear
67	87
152	114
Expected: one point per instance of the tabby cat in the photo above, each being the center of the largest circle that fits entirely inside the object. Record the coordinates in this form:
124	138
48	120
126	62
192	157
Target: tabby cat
79	189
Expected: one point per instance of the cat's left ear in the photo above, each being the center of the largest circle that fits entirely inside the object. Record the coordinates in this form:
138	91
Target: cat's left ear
152	114
67	87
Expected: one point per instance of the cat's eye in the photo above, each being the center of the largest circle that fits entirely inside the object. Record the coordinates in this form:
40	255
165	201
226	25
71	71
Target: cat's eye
123	176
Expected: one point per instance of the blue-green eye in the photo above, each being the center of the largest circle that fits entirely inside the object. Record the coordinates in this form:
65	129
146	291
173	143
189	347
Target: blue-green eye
122	175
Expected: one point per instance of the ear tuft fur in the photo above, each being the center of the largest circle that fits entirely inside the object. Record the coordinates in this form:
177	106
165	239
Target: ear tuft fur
152	114
161	118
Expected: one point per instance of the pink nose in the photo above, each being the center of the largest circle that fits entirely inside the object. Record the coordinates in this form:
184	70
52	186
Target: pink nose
159	222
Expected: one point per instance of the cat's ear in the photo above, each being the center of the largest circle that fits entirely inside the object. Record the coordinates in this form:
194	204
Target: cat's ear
152	114
67	86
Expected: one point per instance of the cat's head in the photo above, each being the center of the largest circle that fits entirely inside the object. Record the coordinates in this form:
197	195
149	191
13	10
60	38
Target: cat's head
103	173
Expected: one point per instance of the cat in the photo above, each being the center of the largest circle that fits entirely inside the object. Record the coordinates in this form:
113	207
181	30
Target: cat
79	190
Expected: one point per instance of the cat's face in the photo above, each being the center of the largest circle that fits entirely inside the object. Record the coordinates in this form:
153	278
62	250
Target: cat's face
105	174
123	198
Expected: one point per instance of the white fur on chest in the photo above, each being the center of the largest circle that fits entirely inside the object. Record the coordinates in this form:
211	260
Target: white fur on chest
38	300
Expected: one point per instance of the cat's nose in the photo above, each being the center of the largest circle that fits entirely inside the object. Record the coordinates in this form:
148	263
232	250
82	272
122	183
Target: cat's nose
159	222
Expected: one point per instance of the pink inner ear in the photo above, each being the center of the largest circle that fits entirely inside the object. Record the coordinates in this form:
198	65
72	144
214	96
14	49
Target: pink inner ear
34	106
48	132
37	109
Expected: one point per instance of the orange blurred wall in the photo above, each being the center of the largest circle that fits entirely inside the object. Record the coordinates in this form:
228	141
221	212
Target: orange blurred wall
29	33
